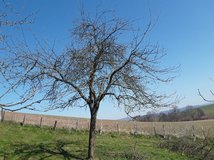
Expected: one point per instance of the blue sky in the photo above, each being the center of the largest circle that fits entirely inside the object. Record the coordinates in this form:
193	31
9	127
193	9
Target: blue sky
183	27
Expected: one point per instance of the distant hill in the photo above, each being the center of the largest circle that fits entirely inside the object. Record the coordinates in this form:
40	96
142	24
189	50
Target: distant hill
188	113
208	109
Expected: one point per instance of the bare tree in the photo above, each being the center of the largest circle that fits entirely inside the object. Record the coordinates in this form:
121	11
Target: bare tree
8	19
9	88
106	58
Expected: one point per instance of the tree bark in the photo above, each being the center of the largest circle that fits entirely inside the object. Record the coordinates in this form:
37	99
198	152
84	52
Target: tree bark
92	134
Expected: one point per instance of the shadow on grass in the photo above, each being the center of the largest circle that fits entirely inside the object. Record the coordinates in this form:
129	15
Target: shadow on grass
42	151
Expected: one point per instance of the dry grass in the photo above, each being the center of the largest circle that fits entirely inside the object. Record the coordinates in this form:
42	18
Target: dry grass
198	128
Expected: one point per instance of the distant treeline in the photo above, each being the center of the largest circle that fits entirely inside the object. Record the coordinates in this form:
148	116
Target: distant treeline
188	114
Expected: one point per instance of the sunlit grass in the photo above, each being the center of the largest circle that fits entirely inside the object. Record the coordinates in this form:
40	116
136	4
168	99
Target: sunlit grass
31	142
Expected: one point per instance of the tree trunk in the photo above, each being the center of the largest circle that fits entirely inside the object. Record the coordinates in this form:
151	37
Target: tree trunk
92	136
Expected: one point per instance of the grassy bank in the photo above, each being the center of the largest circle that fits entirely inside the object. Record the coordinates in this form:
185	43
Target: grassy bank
31	142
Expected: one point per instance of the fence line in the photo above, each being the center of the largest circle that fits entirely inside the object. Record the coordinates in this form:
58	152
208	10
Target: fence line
195	129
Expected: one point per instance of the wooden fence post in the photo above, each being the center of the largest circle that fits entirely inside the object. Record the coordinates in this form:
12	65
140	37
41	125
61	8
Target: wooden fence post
155	133
2	114
174	132
55	123
118	128
135	128
101	128
88	125
23	121
77	124
40	123
193	133
188	132
164	132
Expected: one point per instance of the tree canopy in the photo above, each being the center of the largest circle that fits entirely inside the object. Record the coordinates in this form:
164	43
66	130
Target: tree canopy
107	57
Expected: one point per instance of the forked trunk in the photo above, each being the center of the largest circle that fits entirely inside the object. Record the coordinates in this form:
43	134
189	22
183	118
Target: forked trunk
92	136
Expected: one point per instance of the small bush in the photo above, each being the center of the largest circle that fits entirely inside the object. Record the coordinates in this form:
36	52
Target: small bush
201	149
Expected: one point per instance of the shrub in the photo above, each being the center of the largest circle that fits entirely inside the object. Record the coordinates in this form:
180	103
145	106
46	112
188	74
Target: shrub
201	149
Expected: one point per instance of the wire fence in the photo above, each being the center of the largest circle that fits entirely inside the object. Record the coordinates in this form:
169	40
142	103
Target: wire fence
200	129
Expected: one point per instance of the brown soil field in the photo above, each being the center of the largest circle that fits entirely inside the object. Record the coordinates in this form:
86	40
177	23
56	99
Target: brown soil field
203	128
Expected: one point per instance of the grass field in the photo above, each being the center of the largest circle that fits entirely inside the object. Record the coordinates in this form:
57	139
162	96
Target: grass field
208	109
32	143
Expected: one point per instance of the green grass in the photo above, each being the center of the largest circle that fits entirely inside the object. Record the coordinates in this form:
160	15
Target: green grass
208	109
32	143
